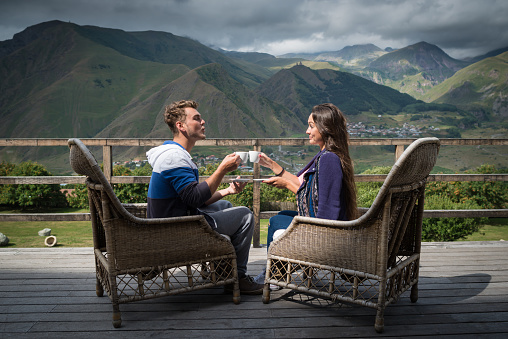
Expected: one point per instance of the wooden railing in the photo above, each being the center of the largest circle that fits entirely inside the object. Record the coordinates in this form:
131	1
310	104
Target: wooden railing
255	144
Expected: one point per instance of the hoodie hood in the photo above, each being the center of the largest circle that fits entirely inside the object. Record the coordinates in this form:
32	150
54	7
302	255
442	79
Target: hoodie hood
180	158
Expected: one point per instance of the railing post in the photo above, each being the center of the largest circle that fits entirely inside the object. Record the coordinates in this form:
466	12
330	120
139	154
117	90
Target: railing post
107	158
399	149
256	202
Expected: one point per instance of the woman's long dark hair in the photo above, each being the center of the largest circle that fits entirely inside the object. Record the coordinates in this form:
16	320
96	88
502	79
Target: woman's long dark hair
331	123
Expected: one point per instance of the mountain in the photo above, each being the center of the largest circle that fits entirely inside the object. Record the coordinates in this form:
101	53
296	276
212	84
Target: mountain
487	55
275	64
62	80
300	88
351	57
229	109
422	57
413	69
481	88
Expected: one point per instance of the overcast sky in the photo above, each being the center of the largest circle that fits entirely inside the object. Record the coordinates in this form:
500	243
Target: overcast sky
460	27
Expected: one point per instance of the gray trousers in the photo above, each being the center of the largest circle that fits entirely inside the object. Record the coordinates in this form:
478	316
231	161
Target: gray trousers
238	224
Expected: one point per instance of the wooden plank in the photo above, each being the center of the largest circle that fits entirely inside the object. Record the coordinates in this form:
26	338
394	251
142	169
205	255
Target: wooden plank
8	180
242	141
45	217
263	215
146	179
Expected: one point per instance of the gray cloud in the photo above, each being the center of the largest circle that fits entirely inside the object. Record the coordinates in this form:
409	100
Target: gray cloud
460	27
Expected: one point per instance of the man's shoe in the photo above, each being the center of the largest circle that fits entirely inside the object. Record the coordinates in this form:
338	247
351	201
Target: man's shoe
247	286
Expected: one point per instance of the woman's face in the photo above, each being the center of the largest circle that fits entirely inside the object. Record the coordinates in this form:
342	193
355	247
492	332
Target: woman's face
314	135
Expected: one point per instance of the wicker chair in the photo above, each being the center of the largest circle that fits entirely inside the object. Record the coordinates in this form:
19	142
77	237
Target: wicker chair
369	261
138	258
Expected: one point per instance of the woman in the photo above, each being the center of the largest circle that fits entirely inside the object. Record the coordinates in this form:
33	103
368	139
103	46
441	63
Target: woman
325	187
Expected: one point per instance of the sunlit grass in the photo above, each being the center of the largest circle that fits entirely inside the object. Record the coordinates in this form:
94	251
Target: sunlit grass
68	233
496	229
24	234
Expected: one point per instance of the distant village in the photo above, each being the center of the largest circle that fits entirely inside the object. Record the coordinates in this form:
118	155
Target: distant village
356	130
360	130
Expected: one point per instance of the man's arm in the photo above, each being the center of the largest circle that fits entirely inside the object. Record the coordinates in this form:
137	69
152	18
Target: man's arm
230	163
233	188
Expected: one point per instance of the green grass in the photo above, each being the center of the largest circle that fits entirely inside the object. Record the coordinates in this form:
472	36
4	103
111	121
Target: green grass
496	229
23	234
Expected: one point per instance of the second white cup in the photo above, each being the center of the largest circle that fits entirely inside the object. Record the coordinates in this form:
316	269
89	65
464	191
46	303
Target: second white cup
254	156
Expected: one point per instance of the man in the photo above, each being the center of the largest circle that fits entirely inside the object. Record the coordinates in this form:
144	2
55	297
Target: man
175	189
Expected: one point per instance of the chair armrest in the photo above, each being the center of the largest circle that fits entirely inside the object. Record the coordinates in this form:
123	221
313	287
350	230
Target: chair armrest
353	244
137	210
138	242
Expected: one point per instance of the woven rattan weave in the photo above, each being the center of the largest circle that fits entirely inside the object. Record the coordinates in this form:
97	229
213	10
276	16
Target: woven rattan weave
138	258
369	261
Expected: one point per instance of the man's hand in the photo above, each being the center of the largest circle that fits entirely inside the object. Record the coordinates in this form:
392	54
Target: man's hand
236	187
229	163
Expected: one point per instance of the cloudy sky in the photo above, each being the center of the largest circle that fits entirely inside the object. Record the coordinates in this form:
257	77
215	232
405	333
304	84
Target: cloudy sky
460	27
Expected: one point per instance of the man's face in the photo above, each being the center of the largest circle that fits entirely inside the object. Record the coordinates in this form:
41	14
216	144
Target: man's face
194	125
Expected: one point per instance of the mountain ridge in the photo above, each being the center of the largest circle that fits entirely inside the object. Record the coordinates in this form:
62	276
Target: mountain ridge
65	80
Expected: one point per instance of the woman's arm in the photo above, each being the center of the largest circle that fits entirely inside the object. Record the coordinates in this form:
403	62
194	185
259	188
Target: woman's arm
330	187
281	182
290	181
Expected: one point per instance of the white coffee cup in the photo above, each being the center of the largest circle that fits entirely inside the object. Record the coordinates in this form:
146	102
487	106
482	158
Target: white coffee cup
254	156
243	155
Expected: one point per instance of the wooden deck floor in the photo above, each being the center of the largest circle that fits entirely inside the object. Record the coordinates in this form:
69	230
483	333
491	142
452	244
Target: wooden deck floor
50	293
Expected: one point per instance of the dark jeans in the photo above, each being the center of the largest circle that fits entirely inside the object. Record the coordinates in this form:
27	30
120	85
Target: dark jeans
238	224
279	222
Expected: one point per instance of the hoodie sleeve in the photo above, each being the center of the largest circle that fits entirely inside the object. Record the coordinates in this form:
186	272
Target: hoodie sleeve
195	194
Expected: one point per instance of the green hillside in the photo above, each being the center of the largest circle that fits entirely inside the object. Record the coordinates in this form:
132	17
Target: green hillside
62	80
167	48
76	89
300	88
413	70
481	88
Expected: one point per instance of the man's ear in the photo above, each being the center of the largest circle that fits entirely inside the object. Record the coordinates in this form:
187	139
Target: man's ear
180	126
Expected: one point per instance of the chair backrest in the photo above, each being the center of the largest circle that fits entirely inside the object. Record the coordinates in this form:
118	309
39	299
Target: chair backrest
401	192
83	162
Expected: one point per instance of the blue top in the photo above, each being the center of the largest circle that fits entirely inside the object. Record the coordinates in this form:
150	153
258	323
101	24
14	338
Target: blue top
174	188
321	194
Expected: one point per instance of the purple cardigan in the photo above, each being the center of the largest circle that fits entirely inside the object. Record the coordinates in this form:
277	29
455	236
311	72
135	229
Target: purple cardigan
330	199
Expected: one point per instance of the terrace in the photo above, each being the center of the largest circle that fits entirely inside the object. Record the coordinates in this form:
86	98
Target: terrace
49	292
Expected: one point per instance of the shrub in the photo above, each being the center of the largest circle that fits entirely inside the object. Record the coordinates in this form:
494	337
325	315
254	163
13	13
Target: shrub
367	191
245	198
126	193
487	195
448	229
446	196
30	195
131	193
79	197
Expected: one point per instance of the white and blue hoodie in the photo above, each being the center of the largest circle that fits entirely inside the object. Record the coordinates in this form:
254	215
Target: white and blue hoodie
174	188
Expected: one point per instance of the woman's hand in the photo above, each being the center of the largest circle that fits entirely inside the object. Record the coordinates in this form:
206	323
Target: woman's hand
265	161
278	182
